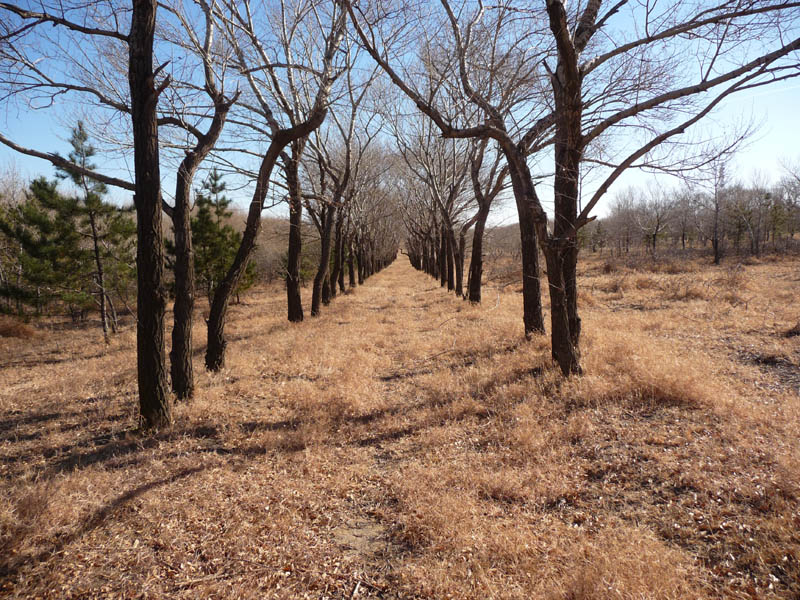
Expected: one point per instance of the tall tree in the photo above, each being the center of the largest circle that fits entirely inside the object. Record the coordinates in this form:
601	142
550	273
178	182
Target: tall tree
283	118
154	400
635	78
105	224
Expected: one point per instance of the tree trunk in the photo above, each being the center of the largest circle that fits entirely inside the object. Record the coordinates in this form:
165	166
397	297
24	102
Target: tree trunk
451	259
524	193
154	403
181	367
295	305
180	356
476	259
100	278
351	271
112	310
336	273
340	278
459	258
442	256
324	260
362	267
561	250
215	350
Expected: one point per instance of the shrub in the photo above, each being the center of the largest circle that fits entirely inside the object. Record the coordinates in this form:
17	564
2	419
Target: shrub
10	327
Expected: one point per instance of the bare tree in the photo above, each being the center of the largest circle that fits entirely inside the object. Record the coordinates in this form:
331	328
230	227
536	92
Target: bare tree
636	78
106	22
488	180
287	100
340	150
653	215
191	113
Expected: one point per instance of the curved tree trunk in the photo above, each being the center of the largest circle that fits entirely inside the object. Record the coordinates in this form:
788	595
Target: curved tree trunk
180	356
215	350
154	403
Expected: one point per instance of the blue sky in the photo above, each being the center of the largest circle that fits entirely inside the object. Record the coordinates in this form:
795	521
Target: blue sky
776	107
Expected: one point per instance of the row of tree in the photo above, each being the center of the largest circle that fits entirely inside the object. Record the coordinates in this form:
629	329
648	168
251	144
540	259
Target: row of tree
720	216
281	102
481	96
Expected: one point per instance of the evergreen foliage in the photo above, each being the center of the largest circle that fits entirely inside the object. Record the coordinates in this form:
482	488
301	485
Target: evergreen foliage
73	249
214	240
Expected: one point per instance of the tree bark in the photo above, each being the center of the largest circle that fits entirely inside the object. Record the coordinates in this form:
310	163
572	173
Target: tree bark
476	259
362	267
154	402
351	271
459	258
295	305
336	273
100	277
215	350
442	256
180	356
181	368
561	249
529	220
451	259
324	261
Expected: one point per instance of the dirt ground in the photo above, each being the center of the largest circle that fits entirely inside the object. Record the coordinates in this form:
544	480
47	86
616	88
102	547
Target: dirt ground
408	445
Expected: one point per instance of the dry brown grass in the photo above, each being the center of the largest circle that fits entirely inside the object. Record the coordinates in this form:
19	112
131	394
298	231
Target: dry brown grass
12	328
408	445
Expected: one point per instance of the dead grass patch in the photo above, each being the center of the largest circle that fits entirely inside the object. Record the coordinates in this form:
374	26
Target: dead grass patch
13	328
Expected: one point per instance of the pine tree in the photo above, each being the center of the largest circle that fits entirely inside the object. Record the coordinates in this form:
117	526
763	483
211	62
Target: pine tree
52	260
214	240
109	228
72	249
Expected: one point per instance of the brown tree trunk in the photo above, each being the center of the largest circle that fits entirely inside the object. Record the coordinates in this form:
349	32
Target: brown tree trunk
181	368
295	305
459	258
154	402
215	350
362	267
337	272
113	314
324	260
451	261
476	259
561	249
340	278
442	256
351	271
524	193
180	356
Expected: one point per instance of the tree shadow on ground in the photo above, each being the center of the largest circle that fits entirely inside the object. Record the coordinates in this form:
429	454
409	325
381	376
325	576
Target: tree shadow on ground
14	563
